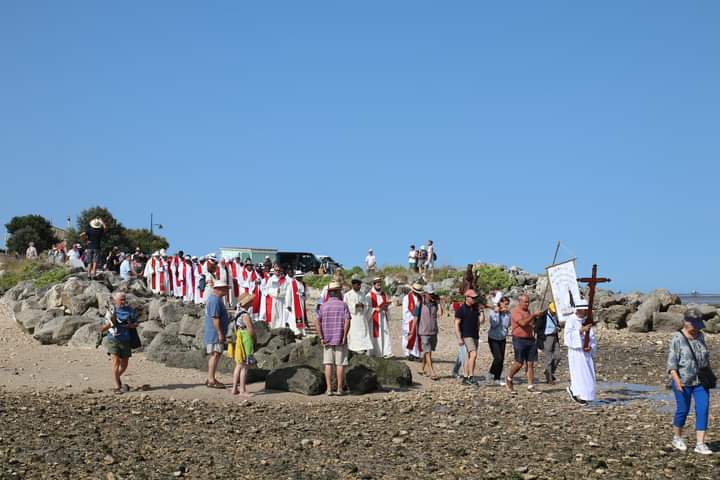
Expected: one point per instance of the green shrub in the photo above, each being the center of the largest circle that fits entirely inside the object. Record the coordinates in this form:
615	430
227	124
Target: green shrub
490	277
37	271
317	281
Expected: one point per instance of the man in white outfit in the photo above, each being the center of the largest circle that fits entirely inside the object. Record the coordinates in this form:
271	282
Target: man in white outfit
359	339
580	362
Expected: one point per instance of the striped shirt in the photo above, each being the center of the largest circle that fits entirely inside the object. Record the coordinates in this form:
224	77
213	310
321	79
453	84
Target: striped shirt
332	316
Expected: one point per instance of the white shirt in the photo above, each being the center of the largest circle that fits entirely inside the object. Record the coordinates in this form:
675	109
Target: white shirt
31	252
412	256
370	261
125	269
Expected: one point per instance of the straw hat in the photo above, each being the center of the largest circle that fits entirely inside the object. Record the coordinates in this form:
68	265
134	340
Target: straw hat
95	223
334	286
417	287
245	299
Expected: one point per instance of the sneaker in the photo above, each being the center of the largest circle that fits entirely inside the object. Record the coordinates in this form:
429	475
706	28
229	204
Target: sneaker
467	381
501	383
703	449
679	444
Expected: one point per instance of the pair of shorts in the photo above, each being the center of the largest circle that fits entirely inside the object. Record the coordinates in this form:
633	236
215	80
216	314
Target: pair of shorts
471	344
121	349
211	348
335	355
428	342
92	256
525	349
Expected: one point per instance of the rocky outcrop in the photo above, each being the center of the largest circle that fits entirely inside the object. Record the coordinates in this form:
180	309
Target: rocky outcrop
299	379
59	330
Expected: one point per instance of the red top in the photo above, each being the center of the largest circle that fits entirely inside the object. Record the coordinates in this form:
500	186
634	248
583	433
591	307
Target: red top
519	330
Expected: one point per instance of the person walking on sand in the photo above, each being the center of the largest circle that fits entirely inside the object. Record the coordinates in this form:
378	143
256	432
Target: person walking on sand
241	345
119	319
467	330
688	363
497	334
580	362
524	344
216	323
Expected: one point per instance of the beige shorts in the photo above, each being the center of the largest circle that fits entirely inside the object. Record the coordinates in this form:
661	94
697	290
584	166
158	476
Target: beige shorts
214	348
335	355
471	344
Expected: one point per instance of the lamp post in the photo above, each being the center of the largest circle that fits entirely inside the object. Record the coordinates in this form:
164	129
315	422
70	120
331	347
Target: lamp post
159	225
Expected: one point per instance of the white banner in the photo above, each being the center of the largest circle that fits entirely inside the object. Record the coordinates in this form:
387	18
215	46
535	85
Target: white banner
563	282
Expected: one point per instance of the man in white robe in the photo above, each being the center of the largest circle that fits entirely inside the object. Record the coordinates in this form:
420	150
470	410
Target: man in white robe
152	273
411	307
275	291
358	338
187	273
176	267
199	271
379	305
580	362
295	303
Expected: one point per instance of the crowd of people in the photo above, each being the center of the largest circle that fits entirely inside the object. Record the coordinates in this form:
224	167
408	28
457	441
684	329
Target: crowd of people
347	319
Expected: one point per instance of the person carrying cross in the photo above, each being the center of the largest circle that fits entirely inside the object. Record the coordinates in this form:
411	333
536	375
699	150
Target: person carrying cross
580	360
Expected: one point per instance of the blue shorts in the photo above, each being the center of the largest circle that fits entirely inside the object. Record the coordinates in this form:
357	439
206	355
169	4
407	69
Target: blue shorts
525	349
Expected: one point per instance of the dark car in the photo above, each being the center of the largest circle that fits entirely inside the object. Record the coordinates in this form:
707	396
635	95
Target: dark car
328	264
307	262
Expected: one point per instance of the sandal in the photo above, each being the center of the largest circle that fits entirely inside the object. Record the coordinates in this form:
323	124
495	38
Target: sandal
118	391
214	384
532	389
434	378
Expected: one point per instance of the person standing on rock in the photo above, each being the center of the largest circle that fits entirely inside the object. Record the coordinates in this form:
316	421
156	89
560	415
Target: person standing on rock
216	324
467	330
31	252
295	302
119	319
524	343
242	345
359	335
93	236
411	312
412	259
370	261
431	257
688	354
497	335
382	347
580	362
126	271
428	330
333	324
275	291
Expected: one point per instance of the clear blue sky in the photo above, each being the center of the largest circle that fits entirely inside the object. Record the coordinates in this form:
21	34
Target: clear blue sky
494	128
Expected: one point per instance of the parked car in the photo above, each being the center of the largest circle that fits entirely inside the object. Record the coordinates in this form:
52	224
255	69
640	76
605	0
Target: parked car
328	265
307	262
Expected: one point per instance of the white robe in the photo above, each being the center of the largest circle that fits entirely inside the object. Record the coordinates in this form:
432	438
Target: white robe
234	277
580	363
290	314
198	295
382	347
188	272
275	290
359	336
409	317
178	278
152	273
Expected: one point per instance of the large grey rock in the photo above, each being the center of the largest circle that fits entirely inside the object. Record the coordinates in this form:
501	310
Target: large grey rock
667	322
196	359
136	287
60	329
101	293
300	379
86	336
27	320
285	334
53	297
707	311
262	333
269	359
163	344
641	320
21	291
32	303
681	309
665	298
307	352
154	308
712	325
79	304
72	287
171	312
614	316
390	373
632	299
190	325
148	330
361	379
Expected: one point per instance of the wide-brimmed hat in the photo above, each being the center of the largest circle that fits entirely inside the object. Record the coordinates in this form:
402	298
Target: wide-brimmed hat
417	287
377	279
581	304
334	286
220	283
355	279
245	298
694	317
96	223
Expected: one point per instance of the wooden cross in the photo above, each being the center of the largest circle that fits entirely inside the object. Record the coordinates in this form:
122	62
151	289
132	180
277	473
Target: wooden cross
592	282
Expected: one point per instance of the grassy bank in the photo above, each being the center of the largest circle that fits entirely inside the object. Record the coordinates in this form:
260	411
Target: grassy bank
37	271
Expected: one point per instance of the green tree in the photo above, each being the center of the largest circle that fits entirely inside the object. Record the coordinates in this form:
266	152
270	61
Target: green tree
489	277
114	232
30	228
148	242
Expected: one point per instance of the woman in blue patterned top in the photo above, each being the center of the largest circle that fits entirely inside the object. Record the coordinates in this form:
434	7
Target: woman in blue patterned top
685	384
